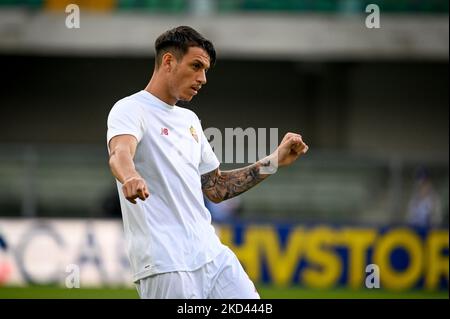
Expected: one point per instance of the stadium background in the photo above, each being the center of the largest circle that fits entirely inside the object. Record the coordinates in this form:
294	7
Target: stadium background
371	103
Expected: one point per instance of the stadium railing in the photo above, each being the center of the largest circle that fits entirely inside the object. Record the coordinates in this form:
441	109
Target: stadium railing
75	181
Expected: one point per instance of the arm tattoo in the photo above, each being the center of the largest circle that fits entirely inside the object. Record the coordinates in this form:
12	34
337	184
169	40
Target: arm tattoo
222	185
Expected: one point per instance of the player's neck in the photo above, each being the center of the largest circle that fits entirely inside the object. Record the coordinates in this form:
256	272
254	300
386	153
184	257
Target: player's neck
158	89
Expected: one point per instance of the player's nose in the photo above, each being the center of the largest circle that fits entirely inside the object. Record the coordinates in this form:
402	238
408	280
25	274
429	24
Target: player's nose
201	79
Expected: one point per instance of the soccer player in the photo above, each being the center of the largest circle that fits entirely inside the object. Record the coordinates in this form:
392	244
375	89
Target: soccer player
164	164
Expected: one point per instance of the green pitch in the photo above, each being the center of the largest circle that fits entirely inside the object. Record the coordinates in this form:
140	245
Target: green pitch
265	292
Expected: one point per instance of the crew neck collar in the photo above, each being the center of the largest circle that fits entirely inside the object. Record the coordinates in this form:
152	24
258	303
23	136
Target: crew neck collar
150	96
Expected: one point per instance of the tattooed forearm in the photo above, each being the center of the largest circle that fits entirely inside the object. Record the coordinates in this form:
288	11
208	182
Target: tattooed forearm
221	185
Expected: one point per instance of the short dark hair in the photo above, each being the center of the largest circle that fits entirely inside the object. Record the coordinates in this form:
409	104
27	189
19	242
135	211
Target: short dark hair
178	40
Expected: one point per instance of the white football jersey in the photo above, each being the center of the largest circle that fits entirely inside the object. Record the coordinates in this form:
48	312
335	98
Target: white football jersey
171	230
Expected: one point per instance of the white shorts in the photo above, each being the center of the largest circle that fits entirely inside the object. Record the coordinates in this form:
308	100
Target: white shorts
222	278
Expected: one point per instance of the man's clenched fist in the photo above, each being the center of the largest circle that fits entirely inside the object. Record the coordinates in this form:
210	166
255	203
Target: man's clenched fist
135	187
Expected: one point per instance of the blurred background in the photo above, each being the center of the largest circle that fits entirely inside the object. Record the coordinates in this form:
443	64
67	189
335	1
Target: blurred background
372	104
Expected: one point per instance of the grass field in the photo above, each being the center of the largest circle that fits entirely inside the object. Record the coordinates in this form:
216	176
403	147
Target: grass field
265	292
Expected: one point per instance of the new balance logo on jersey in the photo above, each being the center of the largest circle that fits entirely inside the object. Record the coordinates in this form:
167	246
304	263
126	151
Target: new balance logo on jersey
164	131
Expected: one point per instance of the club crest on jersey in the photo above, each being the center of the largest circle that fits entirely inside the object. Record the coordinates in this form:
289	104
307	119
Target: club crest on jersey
193	133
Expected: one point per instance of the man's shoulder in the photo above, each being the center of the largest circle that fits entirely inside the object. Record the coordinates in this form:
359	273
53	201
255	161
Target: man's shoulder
129	101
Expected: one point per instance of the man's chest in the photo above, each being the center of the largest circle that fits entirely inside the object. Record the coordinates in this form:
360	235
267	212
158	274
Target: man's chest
179	139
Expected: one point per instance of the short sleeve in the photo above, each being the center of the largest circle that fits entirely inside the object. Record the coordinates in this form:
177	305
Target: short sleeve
208	160
125	118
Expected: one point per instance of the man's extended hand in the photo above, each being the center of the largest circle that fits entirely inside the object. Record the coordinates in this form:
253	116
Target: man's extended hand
135	187
290	149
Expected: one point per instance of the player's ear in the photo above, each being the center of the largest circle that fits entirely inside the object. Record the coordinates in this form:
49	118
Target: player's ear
168	61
